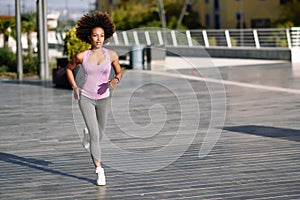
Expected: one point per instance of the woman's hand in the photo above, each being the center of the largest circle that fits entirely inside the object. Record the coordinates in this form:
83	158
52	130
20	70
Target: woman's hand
113	82
77	92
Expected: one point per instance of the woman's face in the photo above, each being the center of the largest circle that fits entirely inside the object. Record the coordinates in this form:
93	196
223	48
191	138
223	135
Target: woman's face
97	37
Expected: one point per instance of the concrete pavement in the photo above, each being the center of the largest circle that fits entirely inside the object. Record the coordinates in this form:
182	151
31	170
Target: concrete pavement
256	155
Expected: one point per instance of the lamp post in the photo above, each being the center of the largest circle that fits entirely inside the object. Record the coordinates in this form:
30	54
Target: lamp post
45	24
162	16
241	11
43	39
185	7
8	7
162	13
19	44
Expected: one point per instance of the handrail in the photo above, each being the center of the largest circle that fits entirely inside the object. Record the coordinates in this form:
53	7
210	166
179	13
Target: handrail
231	38
209	38
295	36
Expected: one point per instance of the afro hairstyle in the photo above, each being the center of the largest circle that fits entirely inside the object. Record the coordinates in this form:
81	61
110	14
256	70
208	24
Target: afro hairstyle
90	21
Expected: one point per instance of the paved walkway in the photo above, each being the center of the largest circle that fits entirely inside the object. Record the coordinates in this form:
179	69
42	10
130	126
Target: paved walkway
245	128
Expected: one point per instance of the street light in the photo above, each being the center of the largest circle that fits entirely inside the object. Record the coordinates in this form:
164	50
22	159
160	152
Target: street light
18	40
162	13
241	14
241	22
186	8
43	39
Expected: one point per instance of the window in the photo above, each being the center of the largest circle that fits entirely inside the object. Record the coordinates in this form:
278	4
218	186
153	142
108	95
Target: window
260	23
240	24
217	21
284	1
238	16
216	5
207	20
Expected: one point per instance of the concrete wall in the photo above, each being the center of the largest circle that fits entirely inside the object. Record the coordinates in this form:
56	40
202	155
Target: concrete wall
250	53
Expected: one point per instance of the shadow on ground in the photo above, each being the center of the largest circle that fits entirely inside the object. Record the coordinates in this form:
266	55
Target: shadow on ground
37	164
266	131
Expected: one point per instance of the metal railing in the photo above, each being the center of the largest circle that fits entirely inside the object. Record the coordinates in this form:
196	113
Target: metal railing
250	38
227	38
295	36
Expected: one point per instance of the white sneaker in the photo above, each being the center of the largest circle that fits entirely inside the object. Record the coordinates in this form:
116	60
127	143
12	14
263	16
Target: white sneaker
101	181
86	142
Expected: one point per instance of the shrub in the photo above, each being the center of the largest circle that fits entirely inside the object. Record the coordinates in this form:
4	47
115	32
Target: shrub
212	41
30	64
3	68
73	45
8	59
8	62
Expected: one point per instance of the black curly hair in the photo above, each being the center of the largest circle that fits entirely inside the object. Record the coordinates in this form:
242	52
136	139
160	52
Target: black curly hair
90	21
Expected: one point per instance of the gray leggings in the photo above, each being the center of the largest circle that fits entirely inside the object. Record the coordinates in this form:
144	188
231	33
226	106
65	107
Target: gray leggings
94	113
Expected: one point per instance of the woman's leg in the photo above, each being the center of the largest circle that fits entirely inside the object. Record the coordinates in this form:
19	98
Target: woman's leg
88	110
101	113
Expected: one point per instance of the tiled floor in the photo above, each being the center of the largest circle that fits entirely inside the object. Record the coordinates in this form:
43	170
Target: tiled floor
158	126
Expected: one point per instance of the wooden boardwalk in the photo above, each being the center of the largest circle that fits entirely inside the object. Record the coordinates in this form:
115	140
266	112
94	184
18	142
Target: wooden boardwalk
257	156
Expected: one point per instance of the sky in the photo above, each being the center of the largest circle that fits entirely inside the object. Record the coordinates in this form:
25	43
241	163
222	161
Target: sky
75	7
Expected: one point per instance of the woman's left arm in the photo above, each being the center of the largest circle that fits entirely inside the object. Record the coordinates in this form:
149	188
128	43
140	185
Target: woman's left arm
118	70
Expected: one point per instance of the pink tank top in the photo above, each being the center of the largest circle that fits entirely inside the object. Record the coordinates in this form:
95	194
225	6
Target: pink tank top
96	85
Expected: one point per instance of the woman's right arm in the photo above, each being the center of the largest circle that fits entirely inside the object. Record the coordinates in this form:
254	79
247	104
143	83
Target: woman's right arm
69	71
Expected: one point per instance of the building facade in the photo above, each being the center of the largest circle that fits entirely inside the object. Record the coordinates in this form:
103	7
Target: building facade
220	14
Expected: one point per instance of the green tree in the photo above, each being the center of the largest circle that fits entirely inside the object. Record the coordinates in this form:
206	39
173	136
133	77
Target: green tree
173	11
28	27
289	16
135	14
6	26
